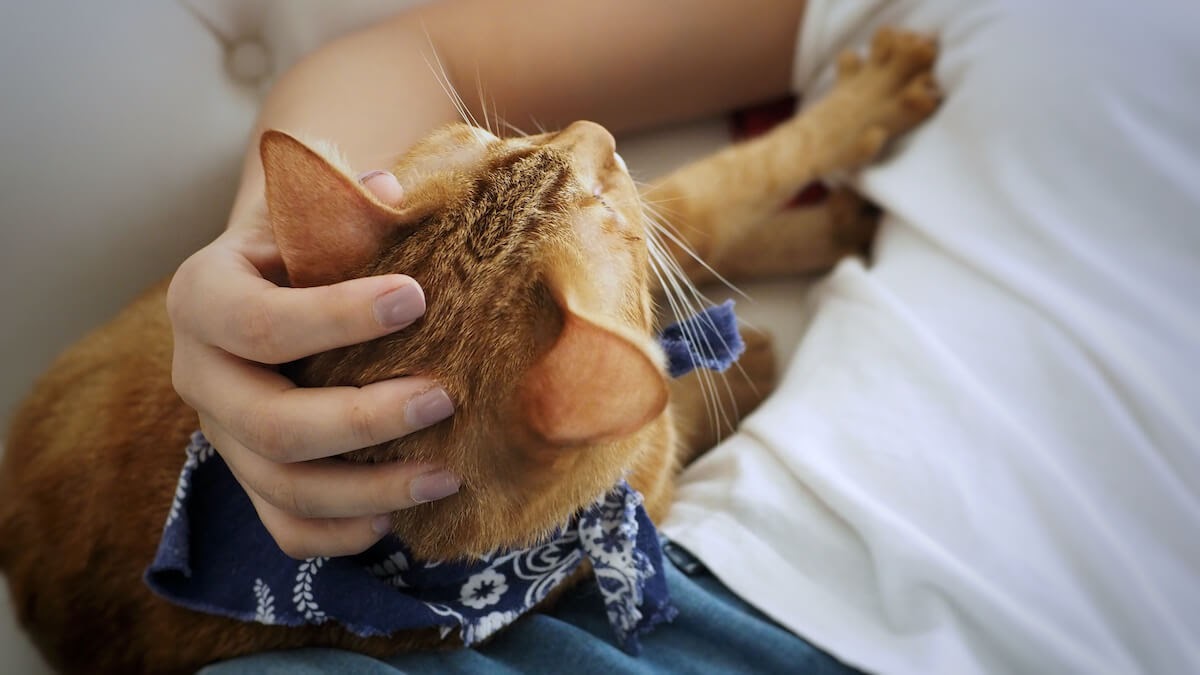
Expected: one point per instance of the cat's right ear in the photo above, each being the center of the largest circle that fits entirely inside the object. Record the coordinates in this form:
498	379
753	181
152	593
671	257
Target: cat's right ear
595	384
326	225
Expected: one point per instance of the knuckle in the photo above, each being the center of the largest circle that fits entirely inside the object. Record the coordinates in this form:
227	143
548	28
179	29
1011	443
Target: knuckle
343	323
180	380
288	537
379	497
292	545
186	376
284	496
183	385
362	420
176	293
271	437
257	328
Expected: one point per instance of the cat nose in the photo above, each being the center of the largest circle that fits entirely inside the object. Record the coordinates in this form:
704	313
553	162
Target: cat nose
588	137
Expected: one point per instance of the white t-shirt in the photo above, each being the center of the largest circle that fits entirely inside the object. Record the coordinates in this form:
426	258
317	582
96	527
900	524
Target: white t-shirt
984	455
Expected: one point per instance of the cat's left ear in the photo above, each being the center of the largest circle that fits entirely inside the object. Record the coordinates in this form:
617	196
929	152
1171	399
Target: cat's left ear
326	225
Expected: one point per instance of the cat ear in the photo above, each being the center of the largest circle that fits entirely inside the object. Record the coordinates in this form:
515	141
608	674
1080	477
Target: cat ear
593	385
326	225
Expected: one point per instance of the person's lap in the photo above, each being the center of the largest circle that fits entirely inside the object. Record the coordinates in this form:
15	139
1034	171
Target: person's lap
714	632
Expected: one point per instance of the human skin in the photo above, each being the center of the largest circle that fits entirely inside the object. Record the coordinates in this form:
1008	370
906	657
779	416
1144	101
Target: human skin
625	64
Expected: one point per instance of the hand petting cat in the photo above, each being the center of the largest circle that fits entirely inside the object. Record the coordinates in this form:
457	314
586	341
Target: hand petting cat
232	325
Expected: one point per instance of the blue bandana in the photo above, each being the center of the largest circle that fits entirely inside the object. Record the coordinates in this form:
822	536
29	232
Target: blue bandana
215	556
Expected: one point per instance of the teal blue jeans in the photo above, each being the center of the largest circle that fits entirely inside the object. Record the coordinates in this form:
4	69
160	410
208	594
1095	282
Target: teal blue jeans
715	632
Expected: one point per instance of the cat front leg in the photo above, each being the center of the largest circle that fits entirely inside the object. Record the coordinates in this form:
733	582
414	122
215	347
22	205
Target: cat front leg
719	206
796	241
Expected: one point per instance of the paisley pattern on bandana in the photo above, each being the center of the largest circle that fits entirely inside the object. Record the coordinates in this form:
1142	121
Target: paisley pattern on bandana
216	557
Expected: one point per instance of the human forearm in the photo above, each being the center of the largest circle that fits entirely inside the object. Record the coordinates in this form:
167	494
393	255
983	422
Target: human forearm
371	93
625	64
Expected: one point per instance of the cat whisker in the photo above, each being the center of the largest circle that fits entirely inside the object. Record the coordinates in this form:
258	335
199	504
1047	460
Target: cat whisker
493	123
676	289
443	79
720	419
656	202
700	298
512	127
646	189
501	123
659	268
662	226
487	122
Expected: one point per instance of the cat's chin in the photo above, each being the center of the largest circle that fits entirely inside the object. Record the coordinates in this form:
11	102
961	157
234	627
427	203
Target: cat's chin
463	541
525	507
449	530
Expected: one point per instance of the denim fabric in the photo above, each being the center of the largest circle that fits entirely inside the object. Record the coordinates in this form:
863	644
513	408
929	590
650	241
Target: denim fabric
715	632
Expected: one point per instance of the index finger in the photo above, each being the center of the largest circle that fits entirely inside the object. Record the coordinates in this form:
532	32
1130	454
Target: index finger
222	301
285	423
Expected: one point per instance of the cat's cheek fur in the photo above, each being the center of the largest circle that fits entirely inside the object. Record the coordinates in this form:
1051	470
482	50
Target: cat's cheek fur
612	253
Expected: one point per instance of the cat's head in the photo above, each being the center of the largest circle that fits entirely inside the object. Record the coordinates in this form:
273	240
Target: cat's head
532	254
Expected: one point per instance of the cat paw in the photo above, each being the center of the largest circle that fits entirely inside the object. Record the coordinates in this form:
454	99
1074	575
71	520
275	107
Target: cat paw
754	376
739	391
855	221
709	406
881	96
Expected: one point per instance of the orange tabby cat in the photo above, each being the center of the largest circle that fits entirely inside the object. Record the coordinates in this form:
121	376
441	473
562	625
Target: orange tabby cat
535	256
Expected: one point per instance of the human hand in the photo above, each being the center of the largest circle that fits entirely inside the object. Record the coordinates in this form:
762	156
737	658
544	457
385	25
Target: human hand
231	324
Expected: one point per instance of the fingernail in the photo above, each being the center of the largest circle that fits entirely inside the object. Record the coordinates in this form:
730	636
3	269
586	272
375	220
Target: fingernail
429	407
381	524
383	185
366	176
400	307
435	485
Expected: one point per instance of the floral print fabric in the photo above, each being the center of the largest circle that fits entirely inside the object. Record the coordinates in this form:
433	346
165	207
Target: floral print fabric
215	556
